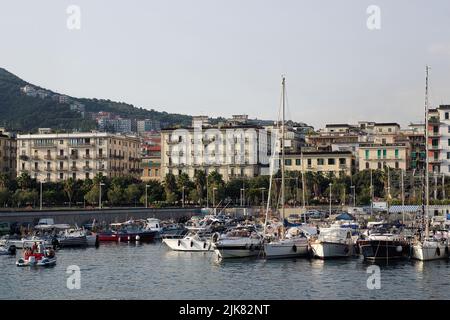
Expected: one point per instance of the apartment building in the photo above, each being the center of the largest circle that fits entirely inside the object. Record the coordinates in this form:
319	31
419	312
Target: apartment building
439	140
232	148
336	162
59	156
7	153
148	125
151	168
379	156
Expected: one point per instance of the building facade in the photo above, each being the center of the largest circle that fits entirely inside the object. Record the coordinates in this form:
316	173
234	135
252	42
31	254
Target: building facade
379	156
325	162
151	168
8	149
232	149
59	156
439	140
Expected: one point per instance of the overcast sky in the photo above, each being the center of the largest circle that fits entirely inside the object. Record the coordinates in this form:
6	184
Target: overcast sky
226	57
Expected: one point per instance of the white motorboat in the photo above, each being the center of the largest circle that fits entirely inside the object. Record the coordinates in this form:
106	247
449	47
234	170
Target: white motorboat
7	250
25	242
239	243
333	243
191	242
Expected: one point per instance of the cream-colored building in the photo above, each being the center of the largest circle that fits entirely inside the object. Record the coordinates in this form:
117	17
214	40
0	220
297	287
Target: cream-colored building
7	153
151	168
378	156
59	156
233	149
337	162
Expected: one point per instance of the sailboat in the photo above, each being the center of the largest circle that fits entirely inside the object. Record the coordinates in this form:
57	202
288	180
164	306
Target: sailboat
294	243
426	247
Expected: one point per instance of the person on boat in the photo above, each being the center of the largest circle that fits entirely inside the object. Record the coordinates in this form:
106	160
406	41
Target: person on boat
34	247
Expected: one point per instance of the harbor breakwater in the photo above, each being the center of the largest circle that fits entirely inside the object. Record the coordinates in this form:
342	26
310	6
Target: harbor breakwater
101	216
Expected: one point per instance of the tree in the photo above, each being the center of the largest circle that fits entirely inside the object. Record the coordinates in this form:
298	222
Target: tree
92	196
69	185
200	183
132	193
4	181
115	194
24	181
4	196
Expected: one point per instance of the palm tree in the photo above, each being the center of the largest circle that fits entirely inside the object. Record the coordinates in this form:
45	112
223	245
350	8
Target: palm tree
69	189
200	183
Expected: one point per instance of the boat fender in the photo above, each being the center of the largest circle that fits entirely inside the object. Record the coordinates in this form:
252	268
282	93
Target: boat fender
192	244
294	248
399	249
129	238
179	242
138	238
438	251
446	250
204	245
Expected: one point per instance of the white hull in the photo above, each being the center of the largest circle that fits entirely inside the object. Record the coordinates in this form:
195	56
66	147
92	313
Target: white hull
287	248
430	250
236	253
326	250
21	244
45	262
188	244
238	248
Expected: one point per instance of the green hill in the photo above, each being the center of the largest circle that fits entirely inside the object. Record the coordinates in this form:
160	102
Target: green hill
26	113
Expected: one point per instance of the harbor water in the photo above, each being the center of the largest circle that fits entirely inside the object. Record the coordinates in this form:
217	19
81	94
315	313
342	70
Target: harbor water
151	271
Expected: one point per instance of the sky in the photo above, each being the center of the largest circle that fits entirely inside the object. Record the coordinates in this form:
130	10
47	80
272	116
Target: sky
225	57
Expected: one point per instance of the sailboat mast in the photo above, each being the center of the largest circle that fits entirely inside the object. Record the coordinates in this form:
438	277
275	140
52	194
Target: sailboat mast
427	183
282	147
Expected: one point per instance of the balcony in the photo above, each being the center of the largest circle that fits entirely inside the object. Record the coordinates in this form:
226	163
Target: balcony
435	147
48	157
101	169
61	157
44	145
62	169
35	157
74	156
435	160
101	156
24	157
48	169
86	156
169	141
73	168
87	168
81	144
432	134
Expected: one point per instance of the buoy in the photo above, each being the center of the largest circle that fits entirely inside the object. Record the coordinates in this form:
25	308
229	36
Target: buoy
179	242
129	238
138	238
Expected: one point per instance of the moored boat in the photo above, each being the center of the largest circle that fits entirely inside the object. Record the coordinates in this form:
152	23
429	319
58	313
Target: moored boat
333	242
240	242
41	258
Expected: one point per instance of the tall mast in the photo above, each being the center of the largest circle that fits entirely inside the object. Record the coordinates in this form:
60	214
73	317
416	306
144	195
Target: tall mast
427	183
282	147
303	184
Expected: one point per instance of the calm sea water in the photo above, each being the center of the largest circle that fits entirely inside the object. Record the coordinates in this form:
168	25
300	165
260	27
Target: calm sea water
151	271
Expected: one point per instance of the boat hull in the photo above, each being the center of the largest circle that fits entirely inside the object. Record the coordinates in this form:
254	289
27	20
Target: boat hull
383	250
430	251
329	250
286	249
188	244
43	262
125	237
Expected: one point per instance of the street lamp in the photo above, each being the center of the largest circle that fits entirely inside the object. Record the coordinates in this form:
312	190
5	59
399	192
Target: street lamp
330	196
242	196
262	191
100	195
183	194
146	196
40	206
354	196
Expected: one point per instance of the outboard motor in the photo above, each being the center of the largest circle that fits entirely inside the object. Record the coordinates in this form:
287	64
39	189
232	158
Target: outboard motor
12	250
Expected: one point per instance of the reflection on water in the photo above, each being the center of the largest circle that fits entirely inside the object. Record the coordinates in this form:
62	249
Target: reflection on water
151	271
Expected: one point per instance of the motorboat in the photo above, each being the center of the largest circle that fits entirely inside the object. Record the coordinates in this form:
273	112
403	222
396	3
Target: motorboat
42	257
332	243
25	242
239	242
384	243
128	231
7	250
191	242
430	249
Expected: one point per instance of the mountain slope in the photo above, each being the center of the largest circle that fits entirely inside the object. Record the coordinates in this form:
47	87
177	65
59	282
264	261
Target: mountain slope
26	113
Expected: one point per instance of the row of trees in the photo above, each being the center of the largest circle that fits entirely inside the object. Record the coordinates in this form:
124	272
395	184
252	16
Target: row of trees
211	190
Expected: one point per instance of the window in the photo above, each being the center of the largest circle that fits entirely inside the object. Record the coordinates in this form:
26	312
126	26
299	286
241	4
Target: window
446	116
309	162
331	161
342	161
448	155
378	154
320	162
389	129
298	162
448	129
448	142
61	176
396	153
379	165
288	162
384	153
61	165
396	165
61	141
74	176
367	165
367	154
23	165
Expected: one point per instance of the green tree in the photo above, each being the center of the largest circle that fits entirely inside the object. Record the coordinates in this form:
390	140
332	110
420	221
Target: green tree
115	194
69	190
132	193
